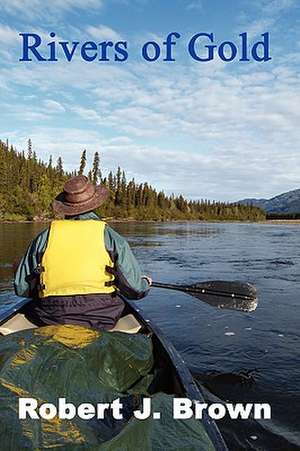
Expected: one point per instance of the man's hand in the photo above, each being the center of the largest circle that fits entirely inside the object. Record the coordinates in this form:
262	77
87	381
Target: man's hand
149	280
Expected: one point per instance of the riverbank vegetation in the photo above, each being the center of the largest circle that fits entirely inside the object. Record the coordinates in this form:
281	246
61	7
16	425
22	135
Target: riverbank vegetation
28	185
283	216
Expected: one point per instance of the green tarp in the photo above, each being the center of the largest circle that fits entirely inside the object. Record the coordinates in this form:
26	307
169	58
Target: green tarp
86	366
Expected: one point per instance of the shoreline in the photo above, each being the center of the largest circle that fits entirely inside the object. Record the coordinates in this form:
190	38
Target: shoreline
157	221
281	221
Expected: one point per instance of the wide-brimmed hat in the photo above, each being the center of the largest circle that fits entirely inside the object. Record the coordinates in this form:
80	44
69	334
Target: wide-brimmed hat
79	196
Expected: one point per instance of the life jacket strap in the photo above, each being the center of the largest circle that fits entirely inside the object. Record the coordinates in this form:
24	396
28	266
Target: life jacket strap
110	283
39	269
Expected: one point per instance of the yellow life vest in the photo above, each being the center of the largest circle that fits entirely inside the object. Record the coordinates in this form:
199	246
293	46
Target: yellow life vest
75	259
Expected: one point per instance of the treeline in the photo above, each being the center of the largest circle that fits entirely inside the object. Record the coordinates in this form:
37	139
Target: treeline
28	186
278	216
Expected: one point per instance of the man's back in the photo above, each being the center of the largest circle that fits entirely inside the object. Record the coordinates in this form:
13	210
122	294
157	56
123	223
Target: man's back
75	269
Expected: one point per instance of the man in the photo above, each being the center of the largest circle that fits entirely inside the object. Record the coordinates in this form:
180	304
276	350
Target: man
75	268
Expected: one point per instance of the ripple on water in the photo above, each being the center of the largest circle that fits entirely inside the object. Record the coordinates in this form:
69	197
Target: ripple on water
282	262
255	354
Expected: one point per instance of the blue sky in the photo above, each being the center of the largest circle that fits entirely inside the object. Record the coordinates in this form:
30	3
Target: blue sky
218	130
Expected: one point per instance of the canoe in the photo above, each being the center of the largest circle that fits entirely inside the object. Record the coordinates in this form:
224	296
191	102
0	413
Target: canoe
175	378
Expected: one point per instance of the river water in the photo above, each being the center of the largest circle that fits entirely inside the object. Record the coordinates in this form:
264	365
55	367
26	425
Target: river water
234	356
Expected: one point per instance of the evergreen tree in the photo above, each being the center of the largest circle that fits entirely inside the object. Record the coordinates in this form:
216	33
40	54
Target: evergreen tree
82	163
96	172
29	149
118	187
111	182
59	166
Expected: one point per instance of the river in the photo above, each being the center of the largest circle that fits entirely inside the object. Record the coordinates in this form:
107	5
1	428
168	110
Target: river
235	356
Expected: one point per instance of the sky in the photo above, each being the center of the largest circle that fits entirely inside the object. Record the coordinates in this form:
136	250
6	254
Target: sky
216	130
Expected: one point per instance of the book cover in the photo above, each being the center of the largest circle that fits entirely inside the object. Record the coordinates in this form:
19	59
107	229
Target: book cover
149	178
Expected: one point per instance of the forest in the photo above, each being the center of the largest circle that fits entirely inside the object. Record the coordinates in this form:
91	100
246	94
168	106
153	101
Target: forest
28	186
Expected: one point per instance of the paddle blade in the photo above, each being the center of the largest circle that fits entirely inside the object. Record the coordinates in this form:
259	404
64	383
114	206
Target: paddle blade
225	294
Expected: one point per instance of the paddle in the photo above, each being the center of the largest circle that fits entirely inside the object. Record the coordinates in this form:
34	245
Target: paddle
219	293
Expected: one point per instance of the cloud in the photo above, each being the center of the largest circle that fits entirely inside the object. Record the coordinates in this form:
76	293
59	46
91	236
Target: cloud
195	4
54	107
274	7
40	8
227	131
26	111
102	32
8	34
88	114
266	14
220	174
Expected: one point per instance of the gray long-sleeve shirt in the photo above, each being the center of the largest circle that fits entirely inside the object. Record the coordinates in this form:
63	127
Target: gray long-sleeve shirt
129	279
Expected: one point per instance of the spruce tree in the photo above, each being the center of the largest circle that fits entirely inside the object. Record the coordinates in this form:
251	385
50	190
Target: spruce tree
82	163
29	149
59	166
96	172
111	183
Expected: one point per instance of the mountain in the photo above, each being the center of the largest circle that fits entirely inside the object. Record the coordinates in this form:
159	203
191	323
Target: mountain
284	203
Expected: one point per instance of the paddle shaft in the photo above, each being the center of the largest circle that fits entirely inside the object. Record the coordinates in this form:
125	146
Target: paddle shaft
199	290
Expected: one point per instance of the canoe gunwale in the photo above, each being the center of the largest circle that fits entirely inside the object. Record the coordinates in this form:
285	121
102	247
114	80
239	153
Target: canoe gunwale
11	311
184	377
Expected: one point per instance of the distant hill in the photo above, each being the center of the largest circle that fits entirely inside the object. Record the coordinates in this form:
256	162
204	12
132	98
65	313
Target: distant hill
284	203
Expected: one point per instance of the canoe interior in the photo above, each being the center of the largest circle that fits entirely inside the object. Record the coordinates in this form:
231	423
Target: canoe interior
171	373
